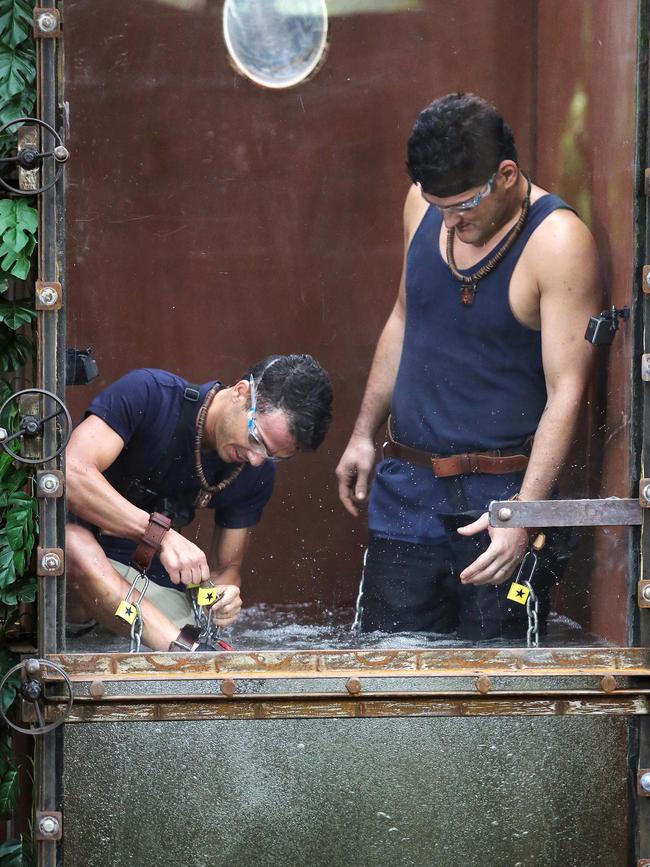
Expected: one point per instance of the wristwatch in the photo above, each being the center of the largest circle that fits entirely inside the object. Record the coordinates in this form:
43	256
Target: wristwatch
151	542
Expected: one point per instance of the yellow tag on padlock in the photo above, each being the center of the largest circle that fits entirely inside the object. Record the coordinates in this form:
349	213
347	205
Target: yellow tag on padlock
192	586
127	611
208	595
518	593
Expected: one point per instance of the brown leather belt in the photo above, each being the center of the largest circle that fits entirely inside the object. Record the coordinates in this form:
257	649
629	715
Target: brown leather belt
494	461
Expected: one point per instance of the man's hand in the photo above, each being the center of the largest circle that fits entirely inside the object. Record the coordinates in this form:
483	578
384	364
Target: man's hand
496	564
184	561
353	471
226	610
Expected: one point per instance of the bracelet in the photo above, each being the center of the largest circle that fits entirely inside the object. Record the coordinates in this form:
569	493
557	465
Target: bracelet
151	542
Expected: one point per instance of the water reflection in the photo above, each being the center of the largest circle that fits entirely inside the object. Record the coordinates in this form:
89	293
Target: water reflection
308	626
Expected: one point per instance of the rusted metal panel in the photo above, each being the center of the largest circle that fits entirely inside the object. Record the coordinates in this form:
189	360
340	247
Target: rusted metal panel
160	708
438	662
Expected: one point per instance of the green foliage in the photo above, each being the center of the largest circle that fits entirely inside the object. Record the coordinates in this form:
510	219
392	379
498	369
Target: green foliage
17	853
18	508
18	227
17	65
8	792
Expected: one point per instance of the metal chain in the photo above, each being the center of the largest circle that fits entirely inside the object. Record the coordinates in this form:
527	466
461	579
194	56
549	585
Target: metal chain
209	631
136	629
532	601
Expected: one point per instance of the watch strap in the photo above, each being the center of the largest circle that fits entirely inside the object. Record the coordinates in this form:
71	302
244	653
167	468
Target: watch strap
151	542
186	640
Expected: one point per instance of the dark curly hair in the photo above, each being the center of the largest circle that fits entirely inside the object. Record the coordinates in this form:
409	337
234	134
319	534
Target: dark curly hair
457	143
300	387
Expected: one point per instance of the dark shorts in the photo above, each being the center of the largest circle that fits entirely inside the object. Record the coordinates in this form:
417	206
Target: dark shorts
408	587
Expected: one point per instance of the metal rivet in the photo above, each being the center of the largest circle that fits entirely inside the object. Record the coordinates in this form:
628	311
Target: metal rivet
353	685
51	562
228	687
483	684
47	22
645	593
647	278
3	434
97	689
48	296
644	782
505	514
49	483
608	683
48	825
61	154
645	493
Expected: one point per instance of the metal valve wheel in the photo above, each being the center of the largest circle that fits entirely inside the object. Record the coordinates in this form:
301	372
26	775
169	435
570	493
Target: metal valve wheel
31	426
32	690
30	158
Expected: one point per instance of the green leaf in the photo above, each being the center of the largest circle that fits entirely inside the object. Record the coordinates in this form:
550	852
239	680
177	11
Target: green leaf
26	215
16	23
8	792
14	315
17	70
21	591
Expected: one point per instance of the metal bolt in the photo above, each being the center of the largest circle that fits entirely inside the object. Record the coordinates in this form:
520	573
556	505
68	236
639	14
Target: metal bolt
644	782
505	514
645	493
48	296
645	593
647	278
49	826
61	154
3	434
46	22
51	562
49	483
32	666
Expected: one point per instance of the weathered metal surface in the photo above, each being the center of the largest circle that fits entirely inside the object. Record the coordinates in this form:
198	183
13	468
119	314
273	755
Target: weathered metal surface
263	706
565	513
438	662
413	792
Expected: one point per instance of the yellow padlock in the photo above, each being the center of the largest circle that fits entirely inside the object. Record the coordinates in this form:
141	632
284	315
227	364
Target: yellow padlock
518	593
208	595
127	611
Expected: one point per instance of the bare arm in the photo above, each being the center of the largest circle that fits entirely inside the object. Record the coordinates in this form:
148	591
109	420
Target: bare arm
93	447
359	456
568	294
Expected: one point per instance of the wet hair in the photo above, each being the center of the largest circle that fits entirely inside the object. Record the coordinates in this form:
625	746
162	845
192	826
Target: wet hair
457	143
301	388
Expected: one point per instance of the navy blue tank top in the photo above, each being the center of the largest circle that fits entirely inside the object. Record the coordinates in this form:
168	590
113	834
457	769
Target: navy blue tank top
470	379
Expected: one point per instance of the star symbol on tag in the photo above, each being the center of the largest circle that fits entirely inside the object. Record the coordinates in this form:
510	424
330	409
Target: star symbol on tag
129	611
520	593
209	597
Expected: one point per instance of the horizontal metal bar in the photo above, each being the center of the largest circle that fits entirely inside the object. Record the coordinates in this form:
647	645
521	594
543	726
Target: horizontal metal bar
435	662
316	706
565	513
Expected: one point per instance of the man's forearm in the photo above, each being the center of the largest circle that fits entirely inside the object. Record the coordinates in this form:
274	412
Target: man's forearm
375	405
92	498
551	446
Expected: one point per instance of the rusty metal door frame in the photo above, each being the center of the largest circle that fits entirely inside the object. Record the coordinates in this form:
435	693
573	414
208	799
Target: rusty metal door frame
493	682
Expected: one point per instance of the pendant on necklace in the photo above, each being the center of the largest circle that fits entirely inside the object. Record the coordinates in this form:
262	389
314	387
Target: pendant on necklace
202	499
467	291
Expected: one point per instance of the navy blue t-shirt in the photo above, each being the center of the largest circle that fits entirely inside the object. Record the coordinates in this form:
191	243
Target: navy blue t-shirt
143	408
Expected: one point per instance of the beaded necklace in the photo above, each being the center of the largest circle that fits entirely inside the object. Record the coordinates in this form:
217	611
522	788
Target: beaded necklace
208	491
469	282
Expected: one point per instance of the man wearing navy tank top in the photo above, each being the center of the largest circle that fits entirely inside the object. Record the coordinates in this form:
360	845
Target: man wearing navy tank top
479	375
151	450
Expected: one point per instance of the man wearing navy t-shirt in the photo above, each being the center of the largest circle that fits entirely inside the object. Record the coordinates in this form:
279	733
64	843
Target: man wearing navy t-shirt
152	449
